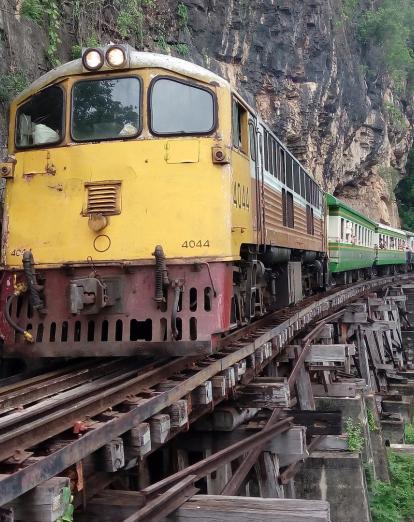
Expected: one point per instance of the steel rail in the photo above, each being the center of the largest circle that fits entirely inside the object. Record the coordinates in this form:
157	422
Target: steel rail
62	381
92	387
58	420
24	479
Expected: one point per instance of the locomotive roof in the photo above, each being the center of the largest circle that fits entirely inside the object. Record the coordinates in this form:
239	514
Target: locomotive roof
335	202
138	60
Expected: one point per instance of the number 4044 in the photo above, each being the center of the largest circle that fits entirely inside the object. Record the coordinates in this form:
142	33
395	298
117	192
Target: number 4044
192	243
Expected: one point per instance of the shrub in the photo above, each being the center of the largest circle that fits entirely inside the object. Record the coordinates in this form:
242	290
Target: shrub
404	193
33	9
11	85
390	27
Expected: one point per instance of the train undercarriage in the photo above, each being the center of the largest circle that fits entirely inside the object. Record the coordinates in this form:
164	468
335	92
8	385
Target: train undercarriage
163	307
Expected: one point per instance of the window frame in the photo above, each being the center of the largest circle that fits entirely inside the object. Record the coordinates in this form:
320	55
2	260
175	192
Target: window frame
265	152
108	77
252	141
188	83
64	130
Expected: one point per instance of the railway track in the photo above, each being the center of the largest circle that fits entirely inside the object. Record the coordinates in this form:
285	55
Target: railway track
106	398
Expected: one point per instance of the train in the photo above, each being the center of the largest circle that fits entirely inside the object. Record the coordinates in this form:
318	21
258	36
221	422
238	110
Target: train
149	209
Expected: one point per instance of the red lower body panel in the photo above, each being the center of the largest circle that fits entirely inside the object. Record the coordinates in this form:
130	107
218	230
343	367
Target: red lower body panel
134	325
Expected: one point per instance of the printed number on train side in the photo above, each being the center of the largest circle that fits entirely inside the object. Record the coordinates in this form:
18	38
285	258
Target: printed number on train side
241	196
192	243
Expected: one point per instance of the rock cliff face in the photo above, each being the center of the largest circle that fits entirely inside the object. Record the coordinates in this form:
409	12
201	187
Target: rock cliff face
298	61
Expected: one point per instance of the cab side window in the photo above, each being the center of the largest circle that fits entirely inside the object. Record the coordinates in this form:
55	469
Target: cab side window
40	120
240	131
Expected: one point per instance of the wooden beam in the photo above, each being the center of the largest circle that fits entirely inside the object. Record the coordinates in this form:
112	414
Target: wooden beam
322	353
211	440
110	505
234	509
264	395
234	484
289	446
335	389
318	422
304	390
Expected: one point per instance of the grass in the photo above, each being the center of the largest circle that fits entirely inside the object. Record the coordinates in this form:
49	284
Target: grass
372	423
409	433
355	437
394	501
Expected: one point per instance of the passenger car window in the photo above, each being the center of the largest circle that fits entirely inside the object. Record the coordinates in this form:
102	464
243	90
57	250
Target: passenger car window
180	108
106	109
39	121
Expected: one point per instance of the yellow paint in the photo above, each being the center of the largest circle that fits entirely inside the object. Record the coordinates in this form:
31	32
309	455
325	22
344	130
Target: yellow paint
171	194
182	151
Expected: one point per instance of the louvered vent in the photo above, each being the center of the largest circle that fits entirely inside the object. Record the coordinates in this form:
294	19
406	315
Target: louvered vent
103	198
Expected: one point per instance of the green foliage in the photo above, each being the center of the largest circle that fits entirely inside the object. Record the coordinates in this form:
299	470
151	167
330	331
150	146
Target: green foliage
33	9
354	433
46	11
162	43
404	193
409	433
67	499
372	423
12	84
130	20
390	27
129	17
395	116
77	48
348	8
182	14
52	12
394	501
182	49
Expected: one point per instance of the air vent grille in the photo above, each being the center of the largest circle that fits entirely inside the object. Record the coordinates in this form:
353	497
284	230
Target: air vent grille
103	198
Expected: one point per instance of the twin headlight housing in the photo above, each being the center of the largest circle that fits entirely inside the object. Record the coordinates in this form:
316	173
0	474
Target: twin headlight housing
113	56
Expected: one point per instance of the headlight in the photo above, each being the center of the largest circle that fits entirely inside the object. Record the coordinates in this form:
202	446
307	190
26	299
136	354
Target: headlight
93	59
115	56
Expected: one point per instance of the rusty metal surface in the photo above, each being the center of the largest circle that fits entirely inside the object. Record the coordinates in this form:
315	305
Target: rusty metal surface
165	504
29	427
28	392
132	326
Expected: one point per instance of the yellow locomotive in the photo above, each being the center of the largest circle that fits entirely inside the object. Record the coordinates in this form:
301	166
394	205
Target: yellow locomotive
147	208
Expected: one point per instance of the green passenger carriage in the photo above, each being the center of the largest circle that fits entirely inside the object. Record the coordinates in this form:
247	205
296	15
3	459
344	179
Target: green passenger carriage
351	239
391	246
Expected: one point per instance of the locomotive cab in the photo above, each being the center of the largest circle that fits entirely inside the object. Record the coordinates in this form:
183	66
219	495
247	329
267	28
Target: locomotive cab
118	162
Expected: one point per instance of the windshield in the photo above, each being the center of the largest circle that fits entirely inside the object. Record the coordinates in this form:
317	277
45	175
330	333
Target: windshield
40	120
106	109
180	108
